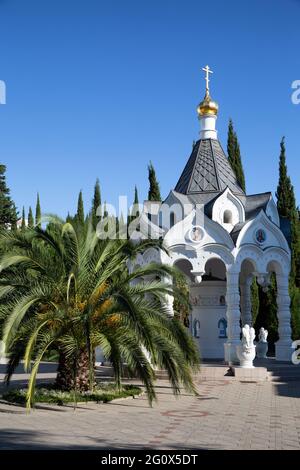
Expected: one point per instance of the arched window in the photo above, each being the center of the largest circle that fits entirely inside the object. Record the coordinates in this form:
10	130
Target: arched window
196	328
227	217
160	219
222	325
172	219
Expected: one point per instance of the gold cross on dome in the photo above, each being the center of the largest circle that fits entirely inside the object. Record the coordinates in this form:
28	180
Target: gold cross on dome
207	72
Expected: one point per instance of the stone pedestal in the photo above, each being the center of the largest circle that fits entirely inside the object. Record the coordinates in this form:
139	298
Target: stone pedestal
261	349
246	356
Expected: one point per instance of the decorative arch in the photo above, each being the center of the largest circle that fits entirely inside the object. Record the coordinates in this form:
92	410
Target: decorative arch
253	254
273	237
228	210
219	252
180	251
151	255
216	268
277	260
261	259
185	266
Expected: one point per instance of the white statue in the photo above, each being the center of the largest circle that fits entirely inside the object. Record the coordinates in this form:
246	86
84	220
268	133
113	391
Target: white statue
262	335
248	336
246	350
262	345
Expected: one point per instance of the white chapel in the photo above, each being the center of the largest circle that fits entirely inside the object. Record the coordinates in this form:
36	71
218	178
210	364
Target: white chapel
220	238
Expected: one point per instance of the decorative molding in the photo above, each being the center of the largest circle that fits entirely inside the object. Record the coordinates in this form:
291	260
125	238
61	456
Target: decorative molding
208	301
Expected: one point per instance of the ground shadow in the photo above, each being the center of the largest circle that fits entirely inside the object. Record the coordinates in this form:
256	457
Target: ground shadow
19	439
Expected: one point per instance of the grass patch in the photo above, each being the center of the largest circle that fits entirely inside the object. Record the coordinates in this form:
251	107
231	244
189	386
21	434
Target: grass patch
48	394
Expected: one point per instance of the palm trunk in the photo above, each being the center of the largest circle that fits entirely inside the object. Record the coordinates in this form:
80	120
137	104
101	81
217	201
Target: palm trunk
73	374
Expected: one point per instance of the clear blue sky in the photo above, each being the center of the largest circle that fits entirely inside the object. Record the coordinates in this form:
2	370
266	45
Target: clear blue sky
99	88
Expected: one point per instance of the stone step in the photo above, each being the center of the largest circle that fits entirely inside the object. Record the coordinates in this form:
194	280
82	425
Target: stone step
205	373
274	373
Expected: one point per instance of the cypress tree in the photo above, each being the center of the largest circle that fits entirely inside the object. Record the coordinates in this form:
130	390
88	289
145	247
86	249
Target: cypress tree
267	314
135	211
231	143
14	218
295	311
235	160
286	205
154	191
254	300
8	213
30	218
38	212
136	196
96	203
234	156
285	192
69	218
80	210
23	224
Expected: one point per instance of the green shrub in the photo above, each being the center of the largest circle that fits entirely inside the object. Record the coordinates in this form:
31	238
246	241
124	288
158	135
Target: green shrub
48	394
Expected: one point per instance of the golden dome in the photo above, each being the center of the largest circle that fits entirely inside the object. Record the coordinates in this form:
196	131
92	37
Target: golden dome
207	106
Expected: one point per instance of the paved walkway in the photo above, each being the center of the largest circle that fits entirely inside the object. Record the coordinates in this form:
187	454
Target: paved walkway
226	415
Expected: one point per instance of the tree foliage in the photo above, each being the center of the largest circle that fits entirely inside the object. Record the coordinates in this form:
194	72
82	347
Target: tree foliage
38	212
63	288
96	204
181	305
286	205
234	156
30	218
8	213
80	211
23	223
154	191
267	313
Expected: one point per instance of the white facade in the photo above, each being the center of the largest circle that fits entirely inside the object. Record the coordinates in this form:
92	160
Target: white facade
221	238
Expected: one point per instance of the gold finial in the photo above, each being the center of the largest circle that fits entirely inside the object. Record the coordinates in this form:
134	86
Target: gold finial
207	106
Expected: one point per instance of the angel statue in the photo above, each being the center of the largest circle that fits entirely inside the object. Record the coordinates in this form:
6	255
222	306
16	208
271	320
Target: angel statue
262	335
246	349
262	345
248	336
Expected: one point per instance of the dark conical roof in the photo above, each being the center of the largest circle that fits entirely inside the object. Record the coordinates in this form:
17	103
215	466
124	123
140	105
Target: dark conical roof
207	170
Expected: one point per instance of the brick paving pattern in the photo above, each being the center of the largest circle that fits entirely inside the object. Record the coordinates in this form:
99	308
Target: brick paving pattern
227	414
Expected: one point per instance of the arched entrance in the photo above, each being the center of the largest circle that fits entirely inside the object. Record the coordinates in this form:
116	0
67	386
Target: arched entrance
261	265
208	323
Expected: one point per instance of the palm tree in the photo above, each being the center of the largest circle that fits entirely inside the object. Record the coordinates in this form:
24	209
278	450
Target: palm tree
71	291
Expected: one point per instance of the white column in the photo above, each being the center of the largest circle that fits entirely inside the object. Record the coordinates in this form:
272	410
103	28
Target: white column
3	359
233	317
169	299
283	347
246	312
